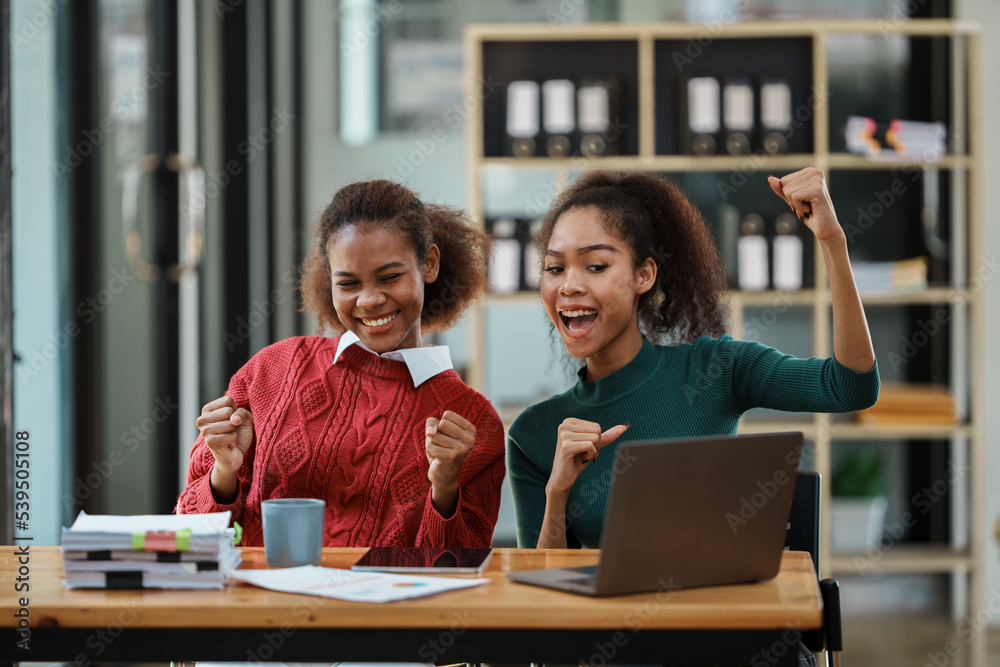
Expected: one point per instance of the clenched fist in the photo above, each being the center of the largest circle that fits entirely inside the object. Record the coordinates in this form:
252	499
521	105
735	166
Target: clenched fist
228	433
579	442
448	441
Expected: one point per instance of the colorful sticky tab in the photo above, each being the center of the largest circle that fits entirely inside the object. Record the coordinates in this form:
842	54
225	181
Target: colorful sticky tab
162	540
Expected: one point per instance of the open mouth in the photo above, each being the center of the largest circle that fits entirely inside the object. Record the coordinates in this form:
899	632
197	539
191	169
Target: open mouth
379	321
578	320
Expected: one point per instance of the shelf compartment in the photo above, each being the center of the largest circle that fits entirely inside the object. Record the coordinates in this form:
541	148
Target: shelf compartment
898	558
505	61
751	59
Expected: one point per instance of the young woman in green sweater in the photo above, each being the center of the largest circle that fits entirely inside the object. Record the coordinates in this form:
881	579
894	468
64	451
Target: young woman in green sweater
629	260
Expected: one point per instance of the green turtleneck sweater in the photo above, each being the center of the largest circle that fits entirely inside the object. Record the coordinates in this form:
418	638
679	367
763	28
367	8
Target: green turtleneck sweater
678	391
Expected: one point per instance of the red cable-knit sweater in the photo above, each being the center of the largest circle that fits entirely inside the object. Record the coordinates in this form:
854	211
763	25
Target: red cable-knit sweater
352	434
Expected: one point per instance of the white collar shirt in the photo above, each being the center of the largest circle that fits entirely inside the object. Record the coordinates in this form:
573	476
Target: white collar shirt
422	362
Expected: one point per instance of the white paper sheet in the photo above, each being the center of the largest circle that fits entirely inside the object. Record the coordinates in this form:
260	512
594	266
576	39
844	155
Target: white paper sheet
199	524
352	586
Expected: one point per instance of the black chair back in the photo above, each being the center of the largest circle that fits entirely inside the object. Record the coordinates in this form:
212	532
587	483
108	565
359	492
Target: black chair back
803	533
803	522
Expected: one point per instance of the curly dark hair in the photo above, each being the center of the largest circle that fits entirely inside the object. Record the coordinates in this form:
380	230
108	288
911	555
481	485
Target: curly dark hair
464	248
657	220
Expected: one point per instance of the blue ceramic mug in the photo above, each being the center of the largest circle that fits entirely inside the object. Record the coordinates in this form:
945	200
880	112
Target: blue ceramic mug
293	531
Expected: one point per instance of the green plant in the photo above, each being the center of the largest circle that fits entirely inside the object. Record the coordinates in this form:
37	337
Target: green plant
859	475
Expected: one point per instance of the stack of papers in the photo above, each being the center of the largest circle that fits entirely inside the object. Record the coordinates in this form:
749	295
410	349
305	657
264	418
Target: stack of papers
895	138
352	586
149	551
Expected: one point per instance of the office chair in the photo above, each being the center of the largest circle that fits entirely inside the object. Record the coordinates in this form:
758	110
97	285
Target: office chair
803	535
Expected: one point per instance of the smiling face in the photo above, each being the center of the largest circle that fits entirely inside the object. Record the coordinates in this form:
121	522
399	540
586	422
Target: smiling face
378	284
591	289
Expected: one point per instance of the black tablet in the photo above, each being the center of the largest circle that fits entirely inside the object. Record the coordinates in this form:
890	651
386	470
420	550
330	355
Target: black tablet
421	560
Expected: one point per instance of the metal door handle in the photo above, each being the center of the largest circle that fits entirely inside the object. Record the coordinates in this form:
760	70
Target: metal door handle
192	210
130	217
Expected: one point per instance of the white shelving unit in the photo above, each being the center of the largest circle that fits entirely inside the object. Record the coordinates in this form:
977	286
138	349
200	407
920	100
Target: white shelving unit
964	557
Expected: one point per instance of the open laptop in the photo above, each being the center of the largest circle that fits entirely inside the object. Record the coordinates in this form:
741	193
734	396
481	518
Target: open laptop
693	512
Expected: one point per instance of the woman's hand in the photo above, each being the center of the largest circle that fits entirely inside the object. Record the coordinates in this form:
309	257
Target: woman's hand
228	433
579	442
449	441
806	194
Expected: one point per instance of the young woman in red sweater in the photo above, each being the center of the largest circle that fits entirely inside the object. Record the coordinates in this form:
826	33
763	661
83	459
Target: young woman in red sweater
371	421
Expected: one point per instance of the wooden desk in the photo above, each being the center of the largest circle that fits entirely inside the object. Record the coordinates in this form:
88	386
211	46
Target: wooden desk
503	621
